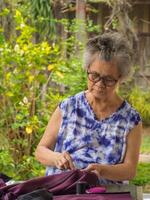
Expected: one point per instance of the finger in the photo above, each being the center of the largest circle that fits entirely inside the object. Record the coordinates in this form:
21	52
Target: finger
68	157
89	168
65	162
61	165
92	168
71	165
61	162
96	172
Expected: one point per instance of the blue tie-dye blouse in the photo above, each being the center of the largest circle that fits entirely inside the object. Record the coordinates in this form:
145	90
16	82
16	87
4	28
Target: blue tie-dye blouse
89	140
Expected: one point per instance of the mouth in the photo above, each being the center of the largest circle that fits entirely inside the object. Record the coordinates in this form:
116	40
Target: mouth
99	90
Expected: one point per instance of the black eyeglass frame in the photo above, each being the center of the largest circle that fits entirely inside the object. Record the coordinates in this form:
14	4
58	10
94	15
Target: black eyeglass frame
103	79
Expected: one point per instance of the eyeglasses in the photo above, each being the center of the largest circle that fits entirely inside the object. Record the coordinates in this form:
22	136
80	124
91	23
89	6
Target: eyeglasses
107	80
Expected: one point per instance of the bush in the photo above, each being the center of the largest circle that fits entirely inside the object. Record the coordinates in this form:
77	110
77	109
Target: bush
24	77
143	174
141	101
27	168
27	98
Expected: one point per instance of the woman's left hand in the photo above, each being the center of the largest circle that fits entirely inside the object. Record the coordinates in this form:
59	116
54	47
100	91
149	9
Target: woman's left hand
96	168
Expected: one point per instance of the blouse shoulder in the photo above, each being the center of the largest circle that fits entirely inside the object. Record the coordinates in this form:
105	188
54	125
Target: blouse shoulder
132	115
70	103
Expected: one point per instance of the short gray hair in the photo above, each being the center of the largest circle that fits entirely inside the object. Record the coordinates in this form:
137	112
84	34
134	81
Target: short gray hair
110	46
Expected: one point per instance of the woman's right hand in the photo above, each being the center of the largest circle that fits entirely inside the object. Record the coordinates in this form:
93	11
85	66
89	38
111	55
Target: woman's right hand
64	161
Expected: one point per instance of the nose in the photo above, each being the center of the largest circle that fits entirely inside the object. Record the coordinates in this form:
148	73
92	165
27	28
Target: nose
100	83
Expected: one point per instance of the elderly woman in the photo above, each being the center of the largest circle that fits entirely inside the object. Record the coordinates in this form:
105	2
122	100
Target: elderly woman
96	130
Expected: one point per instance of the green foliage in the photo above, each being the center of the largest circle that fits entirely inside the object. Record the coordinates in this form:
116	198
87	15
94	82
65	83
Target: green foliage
115	23
141	101
27	71
4	12
2	39
143	174
23	75
72	75
42	16
108	2
91	27
72	27
145	147
27	168
138	98
27	98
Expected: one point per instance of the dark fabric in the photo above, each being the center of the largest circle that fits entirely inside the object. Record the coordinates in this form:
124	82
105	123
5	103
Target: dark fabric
41	194
58	184
2	183
122	196
4	177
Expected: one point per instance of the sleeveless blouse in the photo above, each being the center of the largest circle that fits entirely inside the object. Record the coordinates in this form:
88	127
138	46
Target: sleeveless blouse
89	140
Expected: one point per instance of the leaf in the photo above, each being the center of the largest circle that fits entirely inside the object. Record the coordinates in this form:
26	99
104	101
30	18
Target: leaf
60	74
8	75
50	67
29	130
18	13
9	94
2	38
5	12
41	78
30	78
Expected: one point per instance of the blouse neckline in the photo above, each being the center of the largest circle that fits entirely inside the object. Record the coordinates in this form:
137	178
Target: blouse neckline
93	113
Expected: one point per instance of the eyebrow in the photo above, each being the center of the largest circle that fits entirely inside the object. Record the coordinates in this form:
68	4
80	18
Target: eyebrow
94	72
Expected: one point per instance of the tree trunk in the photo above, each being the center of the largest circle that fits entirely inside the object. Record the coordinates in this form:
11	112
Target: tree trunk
7	21
81	19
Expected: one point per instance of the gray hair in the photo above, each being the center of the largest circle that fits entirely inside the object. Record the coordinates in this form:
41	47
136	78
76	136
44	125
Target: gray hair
110	47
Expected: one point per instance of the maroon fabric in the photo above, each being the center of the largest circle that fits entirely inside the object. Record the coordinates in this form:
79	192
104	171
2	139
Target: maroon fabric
2	183
122	196
64	183
4	177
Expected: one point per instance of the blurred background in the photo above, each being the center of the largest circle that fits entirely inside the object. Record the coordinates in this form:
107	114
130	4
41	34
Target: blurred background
41	48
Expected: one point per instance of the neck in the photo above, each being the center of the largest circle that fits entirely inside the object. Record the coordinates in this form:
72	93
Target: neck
104	107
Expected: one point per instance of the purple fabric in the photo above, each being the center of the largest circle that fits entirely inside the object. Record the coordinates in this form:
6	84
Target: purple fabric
122	196
2	183
58	184
3	179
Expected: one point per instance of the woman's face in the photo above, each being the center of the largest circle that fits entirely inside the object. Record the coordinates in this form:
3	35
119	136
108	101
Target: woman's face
103	78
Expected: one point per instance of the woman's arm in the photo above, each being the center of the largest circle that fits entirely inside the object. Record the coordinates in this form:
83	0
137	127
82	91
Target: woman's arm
44	152
127	169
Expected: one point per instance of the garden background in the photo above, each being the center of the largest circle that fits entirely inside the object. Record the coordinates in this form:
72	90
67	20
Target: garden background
41	46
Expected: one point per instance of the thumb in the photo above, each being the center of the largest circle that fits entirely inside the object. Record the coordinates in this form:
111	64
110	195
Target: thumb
89	168
92	168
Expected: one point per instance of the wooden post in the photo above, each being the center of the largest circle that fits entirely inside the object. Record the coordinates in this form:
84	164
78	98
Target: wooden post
81	19
135	191
100	16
